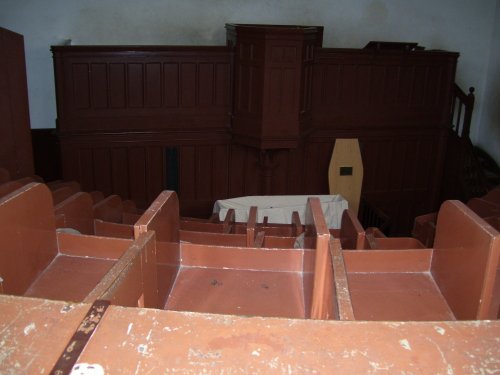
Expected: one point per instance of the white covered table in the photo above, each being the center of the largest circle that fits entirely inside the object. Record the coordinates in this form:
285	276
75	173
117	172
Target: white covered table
279	208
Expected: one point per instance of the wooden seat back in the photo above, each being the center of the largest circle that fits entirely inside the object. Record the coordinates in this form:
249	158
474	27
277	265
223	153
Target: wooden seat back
62	193
73	185
464	263
8	187
109	209
493	196
27	236
77	213
483	207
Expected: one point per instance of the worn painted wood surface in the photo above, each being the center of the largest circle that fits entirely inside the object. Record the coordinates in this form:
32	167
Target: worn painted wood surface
34	332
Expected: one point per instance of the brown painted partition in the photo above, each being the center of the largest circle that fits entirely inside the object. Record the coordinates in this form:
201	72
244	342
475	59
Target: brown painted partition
62	193
73	185
250	233
28	241
293	283
132	280
323	292
493	196
77	212
484	207
162	216
8	187
465	260
454	280
351	233
353	236
109	209
37	261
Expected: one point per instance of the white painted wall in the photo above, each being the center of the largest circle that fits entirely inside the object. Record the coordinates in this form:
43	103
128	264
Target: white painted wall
470	27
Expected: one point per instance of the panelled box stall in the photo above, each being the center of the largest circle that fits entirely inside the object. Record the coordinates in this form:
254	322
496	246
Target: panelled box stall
258	116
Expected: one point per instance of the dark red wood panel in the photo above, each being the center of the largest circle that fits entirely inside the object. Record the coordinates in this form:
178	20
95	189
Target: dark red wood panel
117	85
153	93
135	87
187	85
206	84
156	171
120	111
137	177
102	170
99	85
86	168
171	85
81	86
120	171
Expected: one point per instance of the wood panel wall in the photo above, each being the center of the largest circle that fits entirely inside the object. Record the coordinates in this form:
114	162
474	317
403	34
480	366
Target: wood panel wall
137	120
16	153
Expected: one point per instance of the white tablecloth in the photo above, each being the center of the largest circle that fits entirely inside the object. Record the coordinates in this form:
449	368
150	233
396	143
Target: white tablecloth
279	208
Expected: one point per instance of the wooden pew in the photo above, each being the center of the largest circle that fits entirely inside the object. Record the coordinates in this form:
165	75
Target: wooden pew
132	280
115	210
251	233
8	187
242	280
77	212
487	206
37	261
453	280
353	236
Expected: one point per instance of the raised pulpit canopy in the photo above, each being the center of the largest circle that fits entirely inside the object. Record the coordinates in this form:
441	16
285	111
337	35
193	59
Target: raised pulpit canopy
273	67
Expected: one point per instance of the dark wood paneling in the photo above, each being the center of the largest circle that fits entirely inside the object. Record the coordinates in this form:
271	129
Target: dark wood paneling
46	154
167	118
16	153
361	88
122	88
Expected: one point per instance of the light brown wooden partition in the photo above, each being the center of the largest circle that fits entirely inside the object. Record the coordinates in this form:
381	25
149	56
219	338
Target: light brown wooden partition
162	216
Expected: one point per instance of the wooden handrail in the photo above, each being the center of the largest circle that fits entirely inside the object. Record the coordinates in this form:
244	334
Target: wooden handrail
461	111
